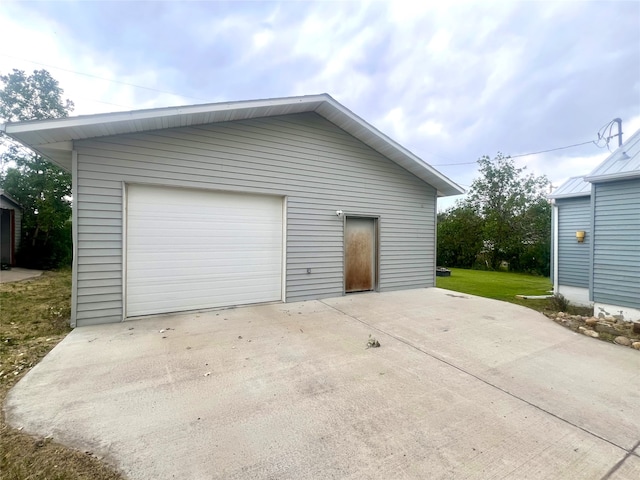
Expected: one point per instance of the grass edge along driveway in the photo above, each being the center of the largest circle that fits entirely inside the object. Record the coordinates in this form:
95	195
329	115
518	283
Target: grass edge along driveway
499	286
35	318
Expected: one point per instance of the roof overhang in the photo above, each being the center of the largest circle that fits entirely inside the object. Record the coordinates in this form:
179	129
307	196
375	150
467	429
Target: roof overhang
569	195
54	139
574	187
613	177
8	198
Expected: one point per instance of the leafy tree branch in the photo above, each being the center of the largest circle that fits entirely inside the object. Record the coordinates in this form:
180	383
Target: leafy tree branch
42	188
505	218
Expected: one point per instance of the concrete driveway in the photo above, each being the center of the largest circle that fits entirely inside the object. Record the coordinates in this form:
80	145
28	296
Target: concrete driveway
462	387
18	274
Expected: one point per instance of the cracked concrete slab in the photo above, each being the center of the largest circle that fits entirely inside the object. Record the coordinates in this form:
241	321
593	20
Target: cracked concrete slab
586	382
291	391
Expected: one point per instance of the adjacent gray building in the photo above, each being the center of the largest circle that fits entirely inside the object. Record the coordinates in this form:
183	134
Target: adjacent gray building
610	253
570	269
10	228
207	206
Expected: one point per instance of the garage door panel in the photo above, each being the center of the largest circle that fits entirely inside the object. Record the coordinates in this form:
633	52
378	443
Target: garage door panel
230	288
191	249
230	228
219	238
194	259
204	276
193	301
223	240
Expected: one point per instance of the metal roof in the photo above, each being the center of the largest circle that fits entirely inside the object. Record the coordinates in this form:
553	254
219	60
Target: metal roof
54	138
574	187
622	164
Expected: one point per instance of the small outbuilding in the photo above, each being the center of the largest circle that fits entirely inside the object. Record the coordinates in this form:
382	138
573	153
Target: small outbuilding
596	235
10	229
207	206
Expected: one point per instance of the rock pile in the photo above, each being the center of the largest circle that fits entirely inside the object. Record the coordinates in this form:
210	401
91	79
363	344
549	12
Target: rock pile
613	329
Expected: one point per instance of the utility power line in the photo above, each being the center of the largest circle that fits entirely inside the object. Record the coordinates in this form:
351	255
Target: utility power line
602	136
102	78
553	149
451	164
520	155
601	133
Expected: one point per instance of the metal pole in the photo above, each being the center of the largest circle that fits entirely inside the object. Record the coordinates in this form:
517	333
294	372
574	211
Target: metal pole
619	122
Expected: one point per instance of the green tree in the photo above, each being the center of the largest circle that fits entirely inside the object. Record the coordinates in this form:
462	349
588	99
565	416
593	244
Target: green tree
459	237
43	189
535	256
514	212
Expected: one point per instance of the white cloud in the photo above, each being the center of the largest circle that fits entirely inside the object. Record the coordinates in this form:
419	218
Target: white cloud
439	43
432	128
43	48
630	126
394	124
567	166
453	80
262	38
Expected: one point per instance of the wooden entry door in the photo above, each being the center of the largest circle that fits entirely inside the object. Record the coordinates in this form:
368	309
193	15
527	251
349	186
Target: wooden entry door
361	254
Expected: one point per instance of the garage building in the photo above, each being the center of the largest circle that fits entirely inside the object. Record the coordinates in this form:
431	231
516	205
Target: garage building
188	208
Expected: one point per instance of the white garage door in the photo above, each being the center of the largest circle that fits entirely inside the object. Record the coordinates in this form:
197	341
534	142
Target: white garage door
194	249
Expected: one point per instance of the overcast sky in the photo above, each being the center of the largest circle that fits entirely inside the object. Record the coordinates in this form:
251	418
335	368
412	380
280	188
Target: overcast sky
450	81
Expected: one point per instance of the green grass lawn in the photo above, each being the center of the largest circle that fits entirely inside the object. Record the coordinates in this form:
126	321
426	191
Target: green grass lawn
498	285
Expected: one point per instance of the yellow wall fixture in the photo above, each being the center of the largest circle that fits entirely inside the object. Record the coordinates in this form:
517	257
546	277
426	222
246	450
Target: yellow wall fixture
580	236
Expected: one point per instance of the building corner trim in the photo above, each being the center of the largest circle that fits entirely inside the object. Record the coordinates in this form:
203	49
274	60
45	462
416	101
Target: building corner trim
74	237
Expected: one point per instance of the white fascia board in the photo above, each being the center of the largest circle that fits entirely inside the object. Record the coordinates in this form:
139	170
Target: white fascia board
569	195
105	118
613	177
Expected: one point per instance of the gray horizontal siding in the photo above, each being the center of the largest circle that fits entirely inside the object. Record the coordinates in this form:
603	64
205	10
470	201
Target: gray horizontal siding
573	258
17	220
18	232
317	166
616	253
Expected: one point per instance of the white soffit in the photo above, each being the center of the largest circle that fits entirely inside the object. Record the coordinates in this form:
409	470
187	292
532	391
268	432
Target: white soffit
54	138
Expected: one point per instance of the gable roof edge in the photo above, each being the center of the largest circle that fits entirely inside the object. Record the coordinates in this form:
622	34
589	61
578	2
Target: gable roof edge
53	138
396	152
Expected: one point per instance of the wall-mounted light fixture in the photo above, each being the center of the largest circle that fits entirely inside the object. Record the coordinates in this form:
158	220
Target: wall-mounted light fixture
580	236
339	213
